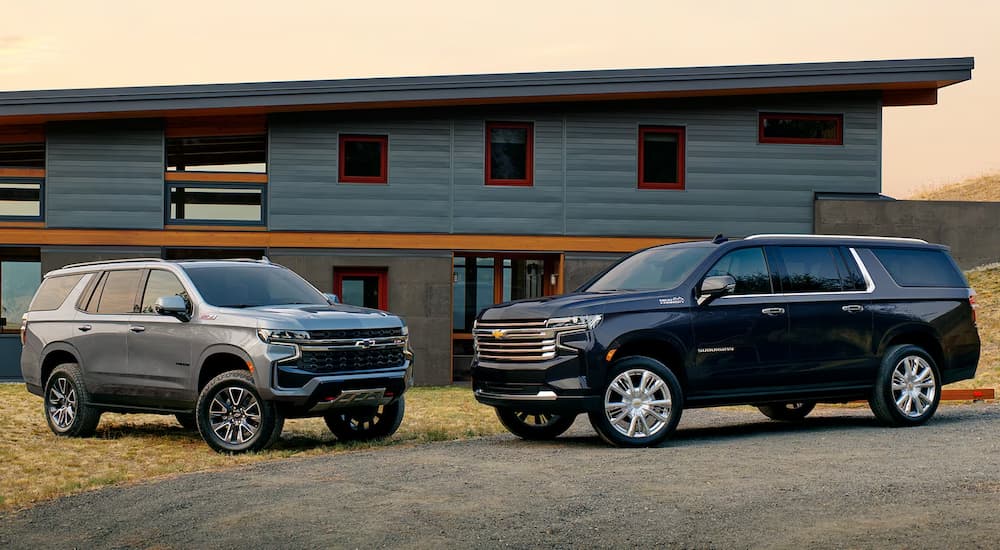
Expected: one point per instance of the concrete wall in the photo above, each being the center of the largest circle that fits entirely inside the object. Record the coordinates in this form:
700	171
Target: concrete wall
969	228
419	291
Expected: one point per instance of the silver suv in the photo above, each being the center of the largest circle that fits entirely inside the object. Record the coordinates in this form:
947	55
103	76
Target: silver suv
231	348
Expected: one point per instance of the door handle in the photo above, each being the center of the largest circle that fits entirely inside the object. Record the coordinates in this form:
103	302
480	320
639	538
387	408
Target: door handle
137	328
773	310
84	328
853	308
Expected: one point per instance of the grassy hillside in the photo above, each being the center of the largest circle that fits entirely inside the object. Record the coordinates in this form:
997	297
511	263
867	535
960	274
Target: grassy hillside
983	189
986	282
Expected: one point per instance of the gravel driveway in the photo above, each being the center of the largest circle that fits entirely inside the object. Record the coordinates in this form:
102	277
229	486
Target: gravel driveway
729	479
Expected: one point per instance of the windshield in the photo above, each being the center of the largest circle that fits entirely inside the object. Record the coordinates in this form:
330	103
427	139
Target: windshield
656	268
251	286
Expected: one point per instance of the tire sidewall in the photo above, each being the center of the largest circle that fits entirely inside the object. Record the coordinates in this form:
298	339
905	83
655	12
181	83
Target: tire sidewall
339	422
608	432
86	416
270	420
61	373
556	427
883	386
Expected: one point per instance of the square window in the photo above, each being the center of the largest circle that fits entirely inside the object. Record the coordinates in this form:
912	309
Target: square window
661	157
364	287
364	159
801	128
509	152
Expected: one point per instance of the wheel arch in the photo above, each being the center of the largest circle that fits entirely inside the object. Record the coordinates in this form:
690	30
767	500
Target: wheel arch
54	355
921	336
667	350
218	359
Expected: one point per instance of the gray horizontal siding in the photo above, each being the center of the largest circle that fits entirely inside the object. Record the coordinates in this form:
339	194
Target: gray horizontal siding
107	174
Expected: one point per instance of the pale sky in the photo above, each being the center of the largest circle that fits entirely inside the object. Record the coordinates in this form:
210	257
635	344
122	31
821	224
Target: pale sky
72	44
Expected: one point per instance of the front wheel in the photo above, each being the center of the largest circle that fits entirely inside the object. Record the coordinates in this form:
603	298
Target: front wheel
232	417
907	389
534	426
368	423
67	403
787	412
642	403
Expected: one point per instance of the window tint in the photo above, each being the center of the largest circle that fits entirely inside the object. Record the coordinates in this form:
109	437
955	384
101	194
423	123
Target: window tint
801	128
159	284
251	285
850	273
92	294
911	267
749	269
656	268
811	269
118	295
53	292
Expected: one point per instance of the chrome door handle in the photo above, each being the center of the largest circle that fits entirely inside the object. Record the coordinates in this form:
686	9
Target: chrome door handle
84	328
773	310
137	328
853	308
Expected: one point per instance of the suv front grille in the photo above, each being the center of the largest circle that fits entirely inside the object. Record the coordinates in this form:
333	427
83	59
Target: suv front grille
354	333
328	361
514	341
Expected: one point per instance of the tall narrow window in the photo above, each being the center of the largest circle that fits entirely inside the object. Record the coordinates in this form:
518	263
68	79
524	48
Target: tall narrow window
801	128
661	157
509	152
364	159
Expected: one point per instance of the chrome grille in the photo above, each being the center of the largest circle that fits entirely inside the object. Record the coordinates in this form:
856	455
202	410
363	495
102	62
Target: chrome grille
514	341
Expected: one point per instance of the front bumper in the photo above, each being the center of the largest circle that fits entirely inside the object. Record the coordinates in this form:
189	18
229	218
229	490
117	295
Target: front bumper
557	386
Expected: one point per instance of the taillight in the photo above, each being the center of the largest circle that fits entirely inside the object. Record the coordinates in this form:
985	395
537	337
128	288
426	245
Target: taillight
24	329
972	302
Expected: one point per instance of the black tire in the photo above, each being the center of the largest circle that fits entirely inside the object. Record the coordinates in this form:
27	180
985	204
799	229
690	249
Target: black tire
367	423
908	387
230	400
66	404
661	400
534	426
795	411
188	420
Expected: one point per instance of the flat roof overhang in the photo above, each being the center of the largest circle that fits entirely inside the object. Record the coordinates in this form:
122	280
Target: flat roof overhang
902	82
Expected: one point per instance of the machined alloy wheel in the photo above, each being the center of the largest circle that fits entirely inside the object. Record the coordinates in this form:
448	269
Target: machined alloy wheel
62	404
914	386
642	403
234	415
906	391
68	411
534	425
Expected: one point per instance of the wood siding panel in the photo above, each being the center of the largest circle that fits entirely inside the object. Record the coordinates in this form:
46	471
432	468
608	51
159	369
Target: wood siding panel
107	175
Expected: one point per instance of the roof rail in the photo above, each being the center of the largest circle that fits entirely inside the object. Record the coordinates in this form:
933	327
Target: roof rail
858	237
122	261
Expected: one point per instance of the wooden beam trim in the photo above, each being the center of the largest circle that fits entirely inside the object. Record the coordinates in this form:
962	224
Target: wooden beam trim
288	239
222	177
22	172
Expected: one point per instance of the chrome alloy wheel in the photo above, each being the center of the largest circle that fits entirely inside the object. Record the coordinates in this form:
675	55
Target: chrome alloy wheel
913	386
234	415
637	403
62	404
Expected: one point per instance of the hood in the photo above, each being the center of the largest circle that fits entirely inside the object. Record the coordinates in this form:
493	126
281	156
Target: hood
315	317
587	303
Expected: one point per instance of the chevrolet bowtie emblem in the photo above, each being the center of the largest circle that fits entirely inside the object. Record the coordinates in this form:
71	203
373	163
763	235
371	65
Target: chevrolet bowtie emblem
499	334
365	344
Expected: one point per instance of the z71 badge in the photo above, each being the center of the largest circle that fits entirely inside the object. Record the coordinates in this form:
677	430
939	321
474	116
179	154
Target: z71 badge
672	300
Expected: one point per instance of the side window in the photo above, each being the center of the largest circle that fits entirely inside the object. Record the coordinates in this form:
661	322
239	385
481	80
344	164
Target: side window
853	279
161	283
748	267
920	267
811	269
53	292
118	295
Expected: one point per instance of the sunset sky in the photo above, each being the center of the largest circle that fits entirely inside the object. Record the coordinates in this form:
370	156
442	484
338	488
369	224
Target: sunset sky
55	44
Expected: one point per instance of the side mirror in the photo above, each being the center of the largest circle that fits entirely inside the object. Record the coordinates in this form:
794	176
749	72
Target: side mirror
332	298
171	305
714	287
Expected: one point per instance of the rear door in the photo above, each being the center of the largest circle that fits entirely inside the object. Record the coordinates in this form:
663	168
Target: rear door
830	317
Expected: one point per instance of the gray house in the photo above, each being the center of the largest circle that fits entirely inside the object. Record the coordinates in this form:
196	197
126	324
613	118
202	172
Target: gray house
437	196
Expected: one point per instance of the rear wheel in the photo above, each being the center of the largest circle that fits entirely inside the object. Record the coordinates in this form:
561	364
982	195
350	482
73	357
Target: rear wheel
642	403
534	425
232	417
367	423
788	412
67	404
907	389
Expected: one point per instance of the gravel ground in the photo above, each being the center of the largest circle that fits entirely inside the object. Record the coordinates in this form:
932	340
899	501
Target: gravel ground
728	479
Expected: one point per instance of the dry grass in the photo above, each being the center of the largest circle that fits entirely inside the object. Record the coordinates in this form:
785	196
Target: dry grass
982	189
38	465
986	282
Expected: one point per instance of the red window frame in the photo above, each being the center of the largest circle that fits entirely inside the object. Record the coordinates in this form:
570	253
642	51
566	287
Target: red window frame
339	274
838	139
529	154
383	176
681	150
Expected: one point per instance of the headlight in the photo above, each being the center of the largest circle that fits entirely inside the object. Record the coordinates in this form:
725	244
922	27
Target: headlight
406	330
577	322
281	335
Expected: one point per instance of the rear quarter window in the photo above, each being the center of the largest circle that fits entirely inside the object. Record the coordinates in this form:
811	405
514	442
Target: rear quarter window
912	267
53	292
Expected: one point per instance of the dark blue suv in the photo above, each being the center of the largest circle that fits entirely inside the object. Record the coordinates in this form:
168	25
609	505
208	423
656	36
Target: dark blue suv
781	322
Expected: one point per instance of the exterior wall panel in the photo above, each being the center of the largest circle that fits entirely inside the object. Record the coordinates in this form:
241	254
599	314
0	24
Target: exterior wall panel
105	174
